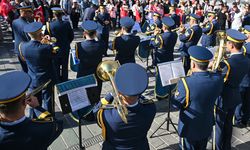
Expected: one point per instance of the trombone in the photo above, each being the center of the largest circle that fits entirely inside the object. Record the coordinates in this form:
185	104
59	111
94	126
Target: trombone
38	89
106	71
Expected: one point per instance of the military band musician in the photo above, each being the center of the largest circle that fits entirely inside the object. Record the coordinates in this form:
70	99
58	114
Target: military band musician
242	112
90	52
64	35
125	44
26	15
188	38
133	135
16	130
234	68
209	36
195	98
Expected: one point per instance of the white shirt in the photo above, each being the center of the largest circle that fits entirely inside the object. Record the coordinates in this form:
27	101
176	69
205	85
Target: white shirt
237	20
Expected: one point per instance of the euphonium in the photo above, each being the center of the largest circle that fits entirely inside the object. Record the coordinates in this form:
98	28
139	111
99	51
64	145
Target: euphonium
220	52
106	71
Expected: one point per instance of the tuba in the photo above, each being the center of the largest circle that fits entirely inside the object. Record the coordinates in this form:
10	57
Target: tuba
220	52
106	71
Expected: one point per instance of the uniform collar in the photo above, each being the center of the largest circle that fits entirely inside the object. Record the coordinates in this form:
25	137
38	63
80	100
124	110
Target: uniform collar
133	105
237	53
200	73
14	122
194	25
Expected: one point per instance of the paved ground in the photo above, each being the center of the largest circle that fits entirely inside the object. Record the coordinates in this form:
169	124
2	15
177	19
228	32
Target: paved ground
163	140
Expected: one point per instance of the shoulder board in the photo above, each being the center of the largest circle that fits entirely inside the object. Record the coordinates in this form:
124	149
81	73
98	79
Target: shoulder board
146	101
45	120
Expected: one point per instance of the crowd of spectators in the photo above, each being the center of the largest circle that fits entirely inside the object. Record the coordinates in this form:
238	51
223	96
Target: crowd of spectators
233	15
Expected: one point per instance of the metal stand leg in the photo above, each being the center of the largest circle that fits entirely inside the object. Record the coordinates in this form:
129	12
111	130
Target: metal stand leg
80	134
168	119
53	101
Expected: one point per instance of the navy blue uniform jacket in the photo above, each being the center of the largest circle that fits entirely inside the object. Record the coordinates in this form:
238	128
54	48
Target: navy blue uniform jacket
39	60
195	98
64	34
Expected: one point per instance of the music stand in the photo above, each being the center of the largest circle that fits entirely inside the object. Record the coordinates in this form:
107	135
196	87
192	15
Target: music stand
73	99
168	118
170	72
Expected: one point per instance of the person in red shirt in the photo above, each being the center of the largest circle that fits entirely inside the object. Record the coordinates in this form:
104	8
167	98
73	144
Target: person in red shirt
124	10
5	8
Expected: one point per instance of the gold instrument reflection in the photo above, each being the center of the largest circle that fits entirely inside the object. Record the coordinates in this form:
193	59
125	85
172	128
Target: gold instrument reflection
221	50
50	41
106	71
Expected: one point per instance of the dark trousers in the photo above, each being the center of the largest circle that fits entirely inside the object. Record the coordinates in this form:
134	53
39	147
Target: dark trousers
186	62
187	144
105	38
223	128
61	68
242	112
23	65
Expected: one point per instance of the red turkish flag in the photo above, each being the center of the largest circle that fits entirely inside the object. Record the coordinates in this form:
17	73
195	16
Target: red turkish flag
38	14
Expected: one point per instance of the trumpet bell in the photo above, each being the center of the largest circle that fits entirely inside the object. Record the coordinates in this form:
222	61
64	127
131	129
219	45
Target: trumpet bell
106	69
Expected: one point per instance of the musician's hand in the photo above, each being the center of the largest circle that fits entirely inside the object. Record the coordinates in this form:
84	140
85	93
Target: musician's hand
32	101
182	29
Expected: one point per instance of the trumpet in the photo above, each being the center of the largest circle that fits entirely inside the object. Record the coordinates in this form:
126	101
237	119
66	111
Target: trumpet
50	41
106	71
176	29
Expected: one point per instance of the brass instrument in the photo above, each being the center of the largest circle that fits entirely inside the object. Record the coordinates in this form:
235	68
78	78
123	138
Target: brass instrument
106	71
176	29
118	33
38	89
50	41
220	52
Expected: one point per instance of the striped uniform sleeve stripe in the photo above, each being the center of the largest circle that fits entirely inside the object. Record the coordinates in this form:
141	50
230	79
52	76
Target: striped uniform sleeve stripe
228	70
187	92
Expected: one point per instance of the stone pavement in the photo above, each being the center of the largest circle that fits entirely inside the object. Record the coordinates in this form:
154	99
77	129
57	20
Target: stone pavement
163	140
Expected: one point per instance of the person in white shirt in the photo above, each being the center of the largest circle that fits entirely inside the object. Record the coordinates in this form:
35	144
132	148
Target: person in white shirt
237	17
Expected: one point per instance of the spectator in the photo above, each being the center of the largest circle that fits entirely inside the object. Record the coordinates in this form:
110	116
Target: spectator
246	18
237	16
137	11
199	12
67	6
89	13
166	6
112	11
5	8
75	14
124	10
222	18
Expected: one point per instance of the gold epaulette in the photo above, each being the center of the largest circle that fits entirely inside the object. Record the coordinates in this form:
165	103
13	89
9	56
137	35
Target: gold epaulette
146	101
49	119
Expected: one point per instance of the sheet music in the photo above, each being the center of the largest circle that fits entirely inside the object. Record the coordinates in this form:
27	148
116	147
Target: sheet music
73	93
177	69
165	71
170	72
78	98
